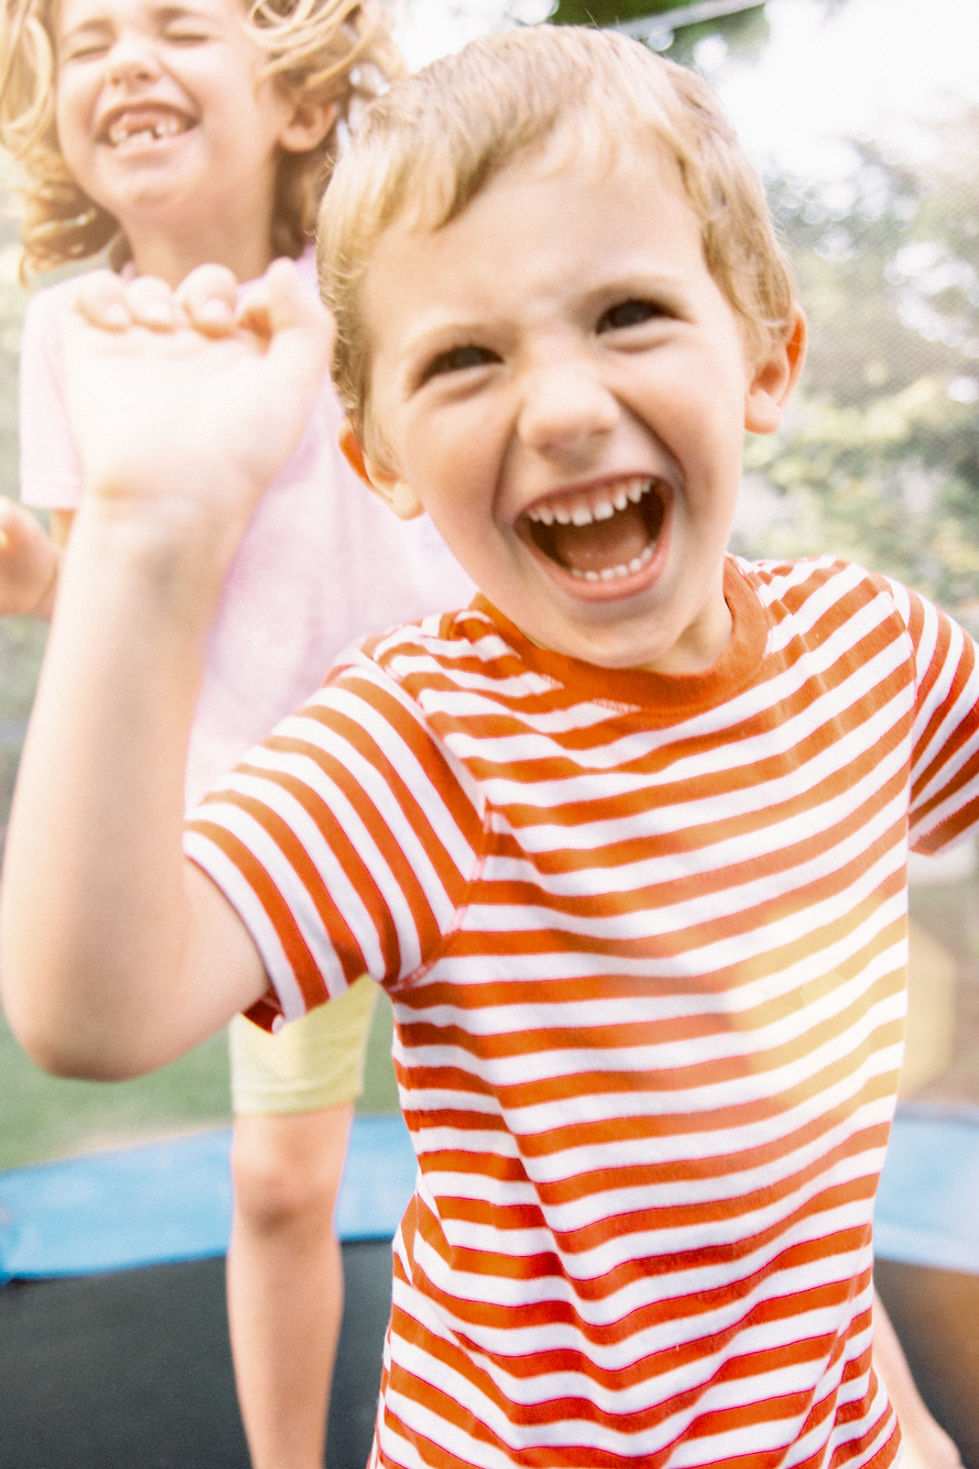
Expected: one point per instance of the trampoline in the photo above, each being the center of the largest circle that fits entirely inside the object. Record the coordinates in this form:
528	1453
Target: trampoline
113	1333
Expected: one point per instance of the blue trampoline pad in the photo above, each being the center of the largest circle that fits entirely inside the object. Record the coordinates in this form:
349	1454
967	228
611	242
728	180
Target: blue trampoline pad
928	1201
168	1201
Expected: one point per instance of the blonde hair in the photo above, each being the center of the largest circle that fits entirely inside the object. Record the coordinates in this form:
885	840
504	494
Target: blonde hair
438	137
338	51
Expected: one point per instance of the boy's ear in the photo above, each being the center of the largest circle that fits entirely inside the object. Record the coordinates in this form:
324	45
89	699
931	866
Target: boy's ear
395	492
774	377
307	125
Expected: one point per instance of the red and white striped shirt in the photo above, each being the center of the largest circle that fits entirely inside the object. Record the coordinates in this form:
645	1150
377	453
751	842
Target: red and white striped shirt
645	938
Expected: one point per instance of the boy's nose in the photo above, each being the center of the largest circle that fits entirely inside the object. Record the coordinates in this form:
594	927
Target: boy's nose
565	407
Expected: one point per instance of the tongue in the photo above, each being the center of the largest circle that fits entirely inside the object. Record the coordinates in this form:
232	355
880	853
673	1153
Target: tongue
603	543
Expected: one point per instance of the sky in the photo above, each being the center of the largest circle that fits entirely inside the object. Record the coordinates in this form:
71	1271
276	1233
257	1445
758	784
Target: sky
877	68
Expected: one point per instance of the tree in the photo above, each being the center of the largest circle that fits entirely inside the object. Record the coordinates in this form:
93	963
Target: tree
683	22
881	458
610	12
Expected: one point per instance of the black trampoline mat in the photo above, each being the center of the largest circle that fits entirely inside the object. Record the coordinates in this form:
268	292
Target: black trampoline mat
134	1369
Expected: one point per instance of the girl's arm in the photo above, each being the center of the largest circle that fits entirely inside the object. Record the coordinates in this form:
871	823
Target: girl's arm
117	954
28	563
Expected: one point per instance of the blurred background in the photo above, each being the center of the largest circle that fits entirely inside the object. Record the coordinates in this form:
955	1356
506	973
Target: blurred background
864	119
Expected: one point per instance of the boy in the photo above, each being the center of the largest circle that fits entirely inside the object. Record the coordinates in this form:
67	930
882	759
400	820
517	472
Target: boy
625	841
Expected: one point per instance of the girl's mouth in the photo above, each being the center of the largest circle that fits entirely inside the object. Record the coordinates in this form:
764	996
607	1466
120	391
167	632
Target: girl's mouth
605	534
140	127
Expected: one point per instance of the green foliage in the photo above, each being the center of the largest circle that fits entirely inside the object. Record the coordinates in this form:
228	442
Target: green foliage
880	457
610	12
744	30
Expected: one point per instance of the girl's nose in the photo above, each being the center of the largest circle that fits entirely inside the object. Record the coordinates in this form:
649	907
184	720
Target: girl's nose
565	407
132	58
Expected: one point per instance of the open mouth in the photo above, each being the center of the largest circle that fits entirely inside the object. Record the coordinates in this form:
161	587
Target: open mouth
602	535
140	127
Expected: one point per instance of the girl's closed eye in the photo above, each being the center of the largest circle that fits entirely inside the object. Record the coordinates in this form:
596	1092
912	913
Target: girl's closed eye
86	47
458	359
184	34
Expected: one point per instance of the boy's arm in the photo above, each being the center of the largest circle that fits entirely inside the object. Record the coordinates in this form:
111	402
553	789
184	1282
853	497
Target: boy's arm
117	954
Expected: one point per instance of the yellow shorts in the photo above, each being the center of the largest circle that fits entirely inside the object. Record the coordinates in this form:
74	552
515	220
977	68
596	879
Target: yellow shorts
310	1064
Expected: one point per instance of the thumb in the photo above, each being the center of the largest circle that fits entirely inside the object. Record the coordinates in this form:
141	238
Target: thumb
281	302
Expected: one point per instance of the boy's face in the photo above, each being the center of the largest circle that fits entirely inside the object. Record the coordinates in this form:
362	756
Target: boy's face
557	378
160	119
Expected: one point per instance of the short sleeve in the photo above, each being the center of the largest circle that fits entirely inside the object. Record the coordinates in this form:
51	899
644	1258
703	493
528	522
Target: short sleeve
945	757
346	842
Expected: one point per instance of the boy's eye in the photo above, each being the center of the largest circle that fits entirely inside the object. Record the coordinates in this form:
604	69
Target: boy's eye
458	359
629	313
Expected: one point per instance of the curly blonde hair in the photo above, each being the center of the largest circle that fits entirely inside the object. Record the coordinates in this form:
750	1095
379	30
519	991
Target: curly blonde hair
338	51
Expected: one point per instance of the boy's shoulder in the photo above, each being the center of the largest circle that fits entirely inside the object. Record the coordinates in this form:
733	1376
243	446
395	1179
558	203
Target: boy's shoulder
437	638
785	585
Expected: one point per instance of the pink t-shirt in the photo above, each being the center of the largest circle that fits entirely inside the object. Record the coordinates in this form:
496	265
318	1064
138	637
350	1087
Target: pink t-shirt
322	563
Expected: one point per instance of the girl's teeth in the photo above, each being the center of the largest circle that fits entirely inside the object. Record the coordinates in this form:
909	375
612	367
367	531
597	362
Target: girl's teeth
150	133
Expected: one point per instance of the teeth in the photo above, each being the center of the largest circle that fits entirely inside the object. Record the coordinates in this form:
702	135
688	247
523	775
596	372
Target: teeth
612	573
124	131
601	507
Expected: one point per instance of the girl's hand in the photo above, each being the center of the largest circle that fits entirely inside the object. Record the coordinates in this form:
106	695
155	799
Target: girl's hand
186	403
28	562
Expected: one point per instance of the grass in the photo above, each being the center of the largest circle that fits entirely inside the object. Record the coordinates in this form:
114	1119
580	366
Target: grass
44	1117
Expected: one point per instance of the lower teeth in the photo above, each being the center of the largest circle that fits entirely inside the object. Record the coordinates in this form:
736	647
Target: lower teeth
614	573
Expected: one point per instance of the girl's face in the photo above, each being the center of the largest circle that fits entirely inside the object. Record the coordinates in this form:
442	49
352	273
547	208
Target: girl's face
163	123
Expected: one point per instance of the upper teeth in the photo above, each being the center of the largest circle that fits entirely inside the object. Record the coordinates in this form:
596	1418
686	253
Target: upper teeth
127	128
597	505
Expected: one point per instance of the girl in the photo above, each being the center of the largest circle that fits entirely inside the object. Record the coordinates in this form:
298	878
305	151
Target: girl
169	135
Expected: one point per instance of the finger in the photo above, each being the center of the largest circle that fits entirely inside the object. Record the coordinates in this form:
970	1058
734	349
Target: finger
208	299
281	300
152	303
101	299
